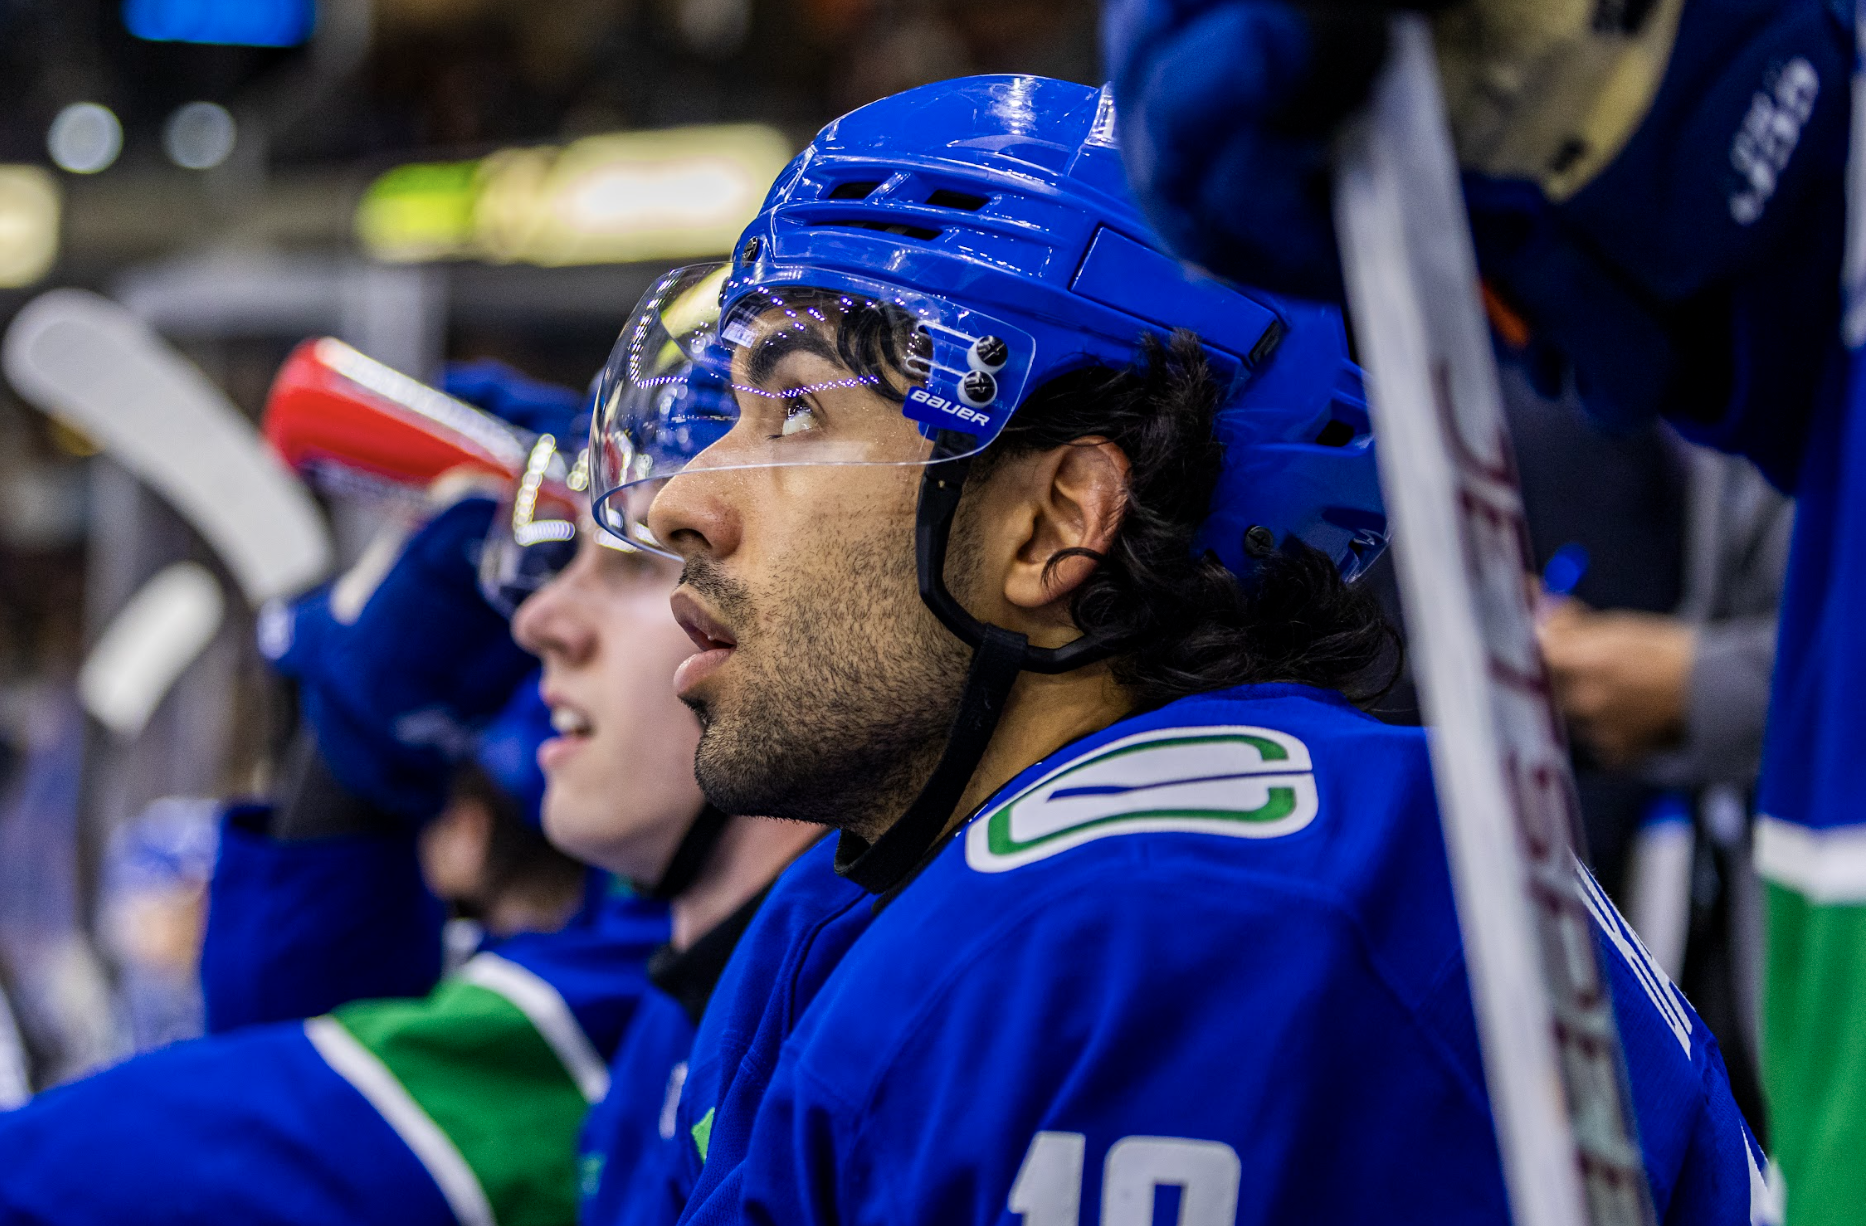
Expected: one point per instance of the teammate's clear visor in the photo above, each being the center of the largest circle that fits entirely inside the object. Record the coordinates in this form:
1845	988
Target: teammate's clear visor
811	367
534	532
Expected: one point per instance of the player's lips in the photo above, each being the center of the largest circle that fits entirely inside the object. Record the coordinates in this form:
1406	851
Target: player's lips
713	641
573	727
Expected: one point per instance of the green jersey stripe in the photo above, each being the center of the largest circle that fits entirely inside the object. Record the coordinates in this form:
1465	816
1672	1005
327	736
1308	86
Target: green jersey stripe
353	1062
539	1001
1814	1055
479	1068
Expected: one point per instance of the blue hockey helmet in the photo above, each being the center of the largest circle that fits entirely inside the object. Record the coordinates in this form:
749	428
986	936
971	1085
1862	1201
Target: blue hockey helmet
981	229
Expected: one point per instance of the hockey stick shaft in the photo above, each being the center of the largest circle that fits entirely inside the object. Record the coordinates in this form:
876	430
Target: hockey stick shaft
330	405
1552	1058
347	422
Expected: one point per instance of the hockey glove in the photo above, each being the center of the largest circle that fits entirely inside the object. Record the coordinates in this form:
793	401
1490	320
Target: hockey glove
1654	187
397	692
542	408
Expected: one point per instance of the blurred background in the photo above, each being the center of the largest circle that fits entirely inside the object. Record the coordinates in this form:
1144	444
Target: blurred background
425	179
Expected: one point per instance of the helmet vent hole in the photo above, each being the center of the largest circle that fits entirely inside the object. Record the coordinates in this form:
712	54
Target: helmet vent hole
1335	434
1266	344
853	190
891	227
945	199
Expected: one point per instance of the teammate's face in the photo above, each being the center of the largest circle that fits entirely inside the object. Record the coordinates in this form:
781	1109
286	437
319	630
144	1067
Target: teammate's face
823	685
619	771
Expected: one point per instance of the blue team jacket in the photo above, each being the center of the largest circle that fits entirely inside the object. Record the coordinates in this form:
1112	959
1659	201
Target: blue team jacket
1206	958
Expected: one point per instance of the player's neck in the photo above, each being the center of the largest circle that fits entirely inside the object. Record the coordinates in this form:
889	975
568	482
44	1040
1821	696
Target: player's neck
1042	715
751	851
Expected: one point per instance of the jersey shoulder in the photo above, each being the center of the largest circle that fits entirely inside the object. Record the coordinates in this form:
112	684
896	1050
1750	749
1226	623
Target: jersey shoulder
807	897
290	1140
1259	764
596	966
1271	826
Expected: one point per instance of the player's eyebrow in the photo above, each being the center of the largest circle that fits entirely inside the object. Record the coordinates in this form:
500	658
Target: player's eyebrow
774	349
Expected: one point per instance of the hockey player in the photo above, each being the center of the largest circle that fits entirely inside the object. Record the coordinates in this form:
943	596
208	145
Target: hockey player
608	647
1658	197
457	1105
1158	918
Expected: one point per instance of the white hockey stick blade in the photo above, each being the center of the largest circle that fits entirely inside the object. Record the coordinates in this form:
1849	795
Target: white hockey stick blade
87	361
1551	1052
15	1085
148	645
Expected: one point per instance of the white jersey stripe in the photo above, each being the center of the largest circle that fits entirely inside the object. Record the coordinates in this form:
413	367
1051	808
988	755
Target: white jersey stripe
541	1003
359	1066
1657	985
1829	866
1651	976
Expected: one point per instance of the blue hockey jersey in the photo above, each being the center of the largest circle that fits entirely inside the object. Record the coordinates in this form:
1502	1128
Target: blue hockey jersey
1811	829
462	1105
1201	966
1810	834
626	1140
802	929
298	927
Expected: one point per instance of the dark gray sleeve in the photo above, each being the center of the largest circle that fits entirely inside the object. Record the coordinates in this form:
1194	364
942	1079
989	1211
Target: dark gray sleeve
1736	563
1727	700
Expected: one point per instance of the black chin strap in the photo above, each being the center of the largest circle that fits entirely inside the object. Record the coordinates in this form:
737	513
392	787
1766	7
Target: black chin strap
880	866
998	655
690	856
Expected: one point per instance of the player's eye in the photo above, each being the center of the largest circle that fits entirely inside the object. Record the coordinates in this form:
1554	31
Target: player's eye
798	417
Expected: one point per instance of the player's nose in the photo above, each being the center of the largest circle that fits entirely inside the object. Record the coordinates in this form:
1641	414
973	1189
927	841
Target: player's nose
553	624
699	513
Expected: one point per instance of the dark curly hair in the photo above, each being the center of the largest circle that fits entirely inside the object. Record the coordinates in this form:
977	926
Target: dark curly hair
1184	623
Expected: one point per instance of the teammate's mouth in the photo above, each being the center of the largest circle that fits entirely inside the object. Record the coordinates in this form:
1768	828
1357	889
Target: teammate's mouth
713	642
573	727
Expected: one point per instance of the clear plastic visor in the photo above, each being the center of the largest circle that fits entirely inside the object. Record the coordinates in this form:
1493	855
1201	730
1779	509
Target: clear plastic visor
534	532
822	369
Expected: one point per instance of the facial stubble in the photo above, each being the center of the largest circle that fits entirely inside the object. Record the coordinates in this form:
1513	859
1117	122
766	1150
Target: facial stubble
846	687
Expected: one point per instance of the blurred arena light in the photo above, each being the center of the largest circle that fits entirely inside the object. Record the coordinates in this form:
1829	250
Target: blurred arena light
678	193
151	641
29	202
714	27
84	138
245	23
420	212
199	135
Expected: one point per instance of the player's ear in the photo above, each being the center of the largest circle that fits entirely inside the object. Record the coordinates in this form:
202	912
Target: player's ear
1072	500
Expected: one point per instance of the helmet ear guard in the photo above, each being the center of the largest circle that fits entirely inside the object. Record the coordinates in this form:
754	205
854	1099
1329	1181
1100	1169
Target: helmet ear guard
1313	481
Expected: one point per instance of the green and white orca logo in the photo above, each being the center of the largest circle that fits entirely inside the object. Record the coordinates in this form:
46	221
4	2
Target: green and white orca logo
1248	783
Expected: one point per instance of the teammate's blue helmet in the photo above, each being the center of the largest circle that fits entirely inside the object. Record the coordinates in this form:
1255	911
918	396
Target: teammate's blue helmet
986	225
